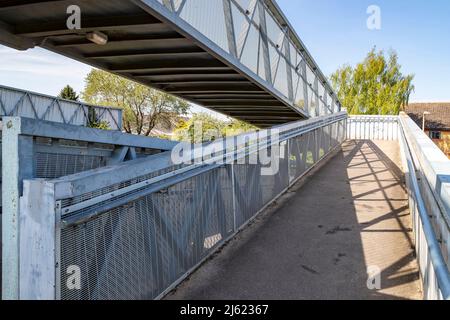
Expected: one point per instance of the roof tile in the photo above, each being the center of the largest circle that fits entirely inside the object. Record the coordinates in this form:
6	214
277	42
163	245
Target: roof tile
438	119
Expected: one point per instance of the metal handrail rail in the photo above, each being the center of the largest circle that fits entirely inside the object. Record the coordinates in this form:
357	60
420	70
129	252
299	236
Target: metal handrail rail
163	160
184	173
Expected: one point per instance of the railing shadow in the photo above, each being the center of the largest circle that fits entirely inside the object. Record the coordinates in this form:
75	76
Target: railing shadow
351	215
384	175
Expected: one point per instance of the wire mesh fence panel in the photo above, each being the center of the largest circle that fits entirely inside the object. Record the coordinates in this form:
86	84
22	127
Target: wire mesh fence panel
256	184
297	158
58	165
138	250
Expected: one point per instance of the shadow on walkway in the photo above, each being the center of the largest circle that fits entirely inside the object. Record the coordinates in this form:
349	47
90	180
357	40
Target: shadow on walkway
320	239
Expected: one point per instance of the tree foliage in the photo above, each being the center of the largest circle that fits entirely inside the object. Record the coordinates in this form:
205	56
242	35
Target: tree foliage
203	127
99	124
375	86
143	107
68	93
236	127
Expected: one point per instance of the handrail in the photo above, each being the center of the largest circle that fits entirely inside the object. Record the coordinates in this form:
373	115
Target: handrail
435	164
437	259
55	130
171	177
68	185
177	210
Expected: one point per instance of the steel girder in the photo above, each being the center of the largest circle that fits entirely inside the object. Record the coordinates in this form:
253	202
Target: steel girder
240	58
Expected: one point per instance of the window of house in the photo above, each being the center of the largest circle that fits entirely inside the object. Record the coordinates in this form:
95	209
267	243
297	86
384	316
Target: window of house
435	135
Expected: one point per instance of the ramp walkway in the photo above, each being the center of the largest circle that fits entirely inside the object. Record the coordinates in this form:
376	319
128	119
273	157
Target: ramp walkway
321	240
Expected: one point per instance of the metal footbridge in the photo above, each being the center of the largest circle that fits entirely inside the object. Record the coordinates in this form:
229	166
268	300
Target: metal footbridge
241	58
91	214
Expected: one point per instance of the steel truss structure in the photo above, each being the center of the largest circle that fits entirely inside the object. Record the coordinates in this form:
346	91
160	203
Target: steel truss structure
21	103
238	57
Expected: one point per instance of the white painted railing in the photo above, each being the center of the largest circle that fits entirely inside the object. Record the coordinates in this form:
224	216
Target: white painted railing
427	173
372	128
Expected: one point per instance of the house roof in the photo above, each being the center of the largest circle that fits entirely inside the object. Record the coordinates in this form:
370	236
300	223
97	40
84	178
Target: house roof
438	119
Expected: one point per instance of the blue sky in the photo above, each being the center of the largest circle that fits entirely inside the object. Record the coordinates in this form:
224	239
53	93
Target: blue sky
334	31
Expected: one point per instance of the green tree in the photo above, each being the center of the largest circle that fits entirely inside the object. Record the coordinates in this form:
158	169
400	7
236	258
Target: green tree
99	124
236	127
374	86
68	93
143	107
203	127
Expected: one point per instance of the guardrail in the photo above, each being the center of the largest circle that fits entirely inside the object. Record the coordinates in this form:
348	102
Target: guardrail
20	103
47	150
133	230
136	233
427	172
365	127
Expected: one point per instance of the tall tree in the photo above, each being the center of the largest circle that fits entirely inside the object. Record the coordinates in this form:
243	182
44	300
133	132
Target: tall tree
143	107
374	86
68	93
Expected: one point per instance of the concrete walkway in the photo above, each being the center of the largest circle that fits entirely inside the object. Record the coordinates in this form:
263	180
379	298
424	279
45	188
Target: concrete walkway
320	240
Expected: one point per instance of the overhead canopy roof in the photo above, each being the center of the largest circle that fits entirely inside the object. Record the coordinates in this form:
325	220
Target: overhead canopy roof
149	46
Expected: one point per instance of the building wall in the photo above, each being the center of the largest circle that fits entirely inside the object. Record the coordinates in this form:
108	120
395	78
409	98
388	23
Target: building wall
445	136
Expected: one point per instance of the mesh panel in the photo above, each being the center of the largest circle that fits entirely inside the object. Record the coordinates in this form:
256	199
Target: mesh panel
51	166
138	250
207	16
254	189
118	186
297	156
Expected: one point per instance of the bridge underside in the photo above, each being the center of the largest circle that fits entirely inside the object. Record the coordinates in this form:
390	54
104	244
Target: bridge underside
303	249
147	49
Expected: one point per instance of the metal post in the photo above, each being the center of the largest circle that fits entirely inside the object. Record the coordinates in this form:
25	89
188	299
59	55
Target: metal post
265	42
38	250
288	66
305	85
316	89
233	186
426	113
289	160
231	35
